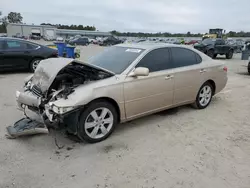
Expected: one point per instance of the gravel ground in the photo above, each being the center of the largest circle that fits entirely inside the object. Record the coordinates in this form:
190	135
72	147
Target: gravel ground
181	147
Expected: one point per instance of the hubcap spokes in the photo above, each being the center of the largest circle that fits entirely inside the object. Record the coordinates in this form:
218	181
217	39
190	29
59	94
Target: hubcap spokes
98	123
35	64
205	95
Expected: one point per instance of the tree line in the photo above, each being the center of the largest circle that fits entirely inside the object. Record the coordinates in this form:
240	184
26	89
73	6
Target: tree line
15	17
159	34
167	34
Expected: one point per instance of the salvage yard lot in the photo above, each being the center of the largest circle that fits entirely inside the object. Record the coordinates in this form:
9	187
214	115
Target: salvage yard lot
182	147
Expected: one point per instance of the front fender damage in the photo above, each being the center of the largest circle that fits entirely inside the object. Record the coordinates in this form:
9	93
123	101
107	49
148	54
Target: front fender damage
43	99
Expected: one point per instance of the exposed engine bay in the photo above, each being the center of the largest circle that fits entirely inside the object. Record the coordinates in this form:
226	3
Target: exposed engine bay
72	76
67	79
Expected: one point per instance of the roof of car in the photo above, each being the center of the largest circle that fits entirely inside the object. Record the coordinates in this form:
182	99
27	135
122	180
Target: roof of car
150	45
12	38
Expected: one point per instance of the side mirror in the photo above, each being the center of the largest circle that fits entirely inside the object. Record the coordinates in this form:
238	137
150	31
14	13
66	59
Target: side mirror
139	71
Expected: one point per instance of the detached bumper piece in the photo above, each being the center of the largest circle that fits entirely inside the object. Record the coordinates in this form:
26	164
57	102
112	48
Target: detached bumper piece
25	127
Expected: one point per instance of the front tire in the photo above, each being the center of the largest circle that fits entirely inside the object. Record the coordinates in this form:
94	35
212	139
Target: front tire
204	96
248	68
33	64
97	122
229	55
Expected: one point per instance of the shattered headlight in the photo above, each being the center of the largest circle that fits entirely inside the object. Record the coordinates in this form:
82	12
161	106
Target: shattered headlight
60	110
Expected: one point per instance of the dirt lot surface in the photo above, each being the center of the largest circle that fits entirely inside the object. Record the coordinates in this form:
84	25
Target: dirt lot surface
179	148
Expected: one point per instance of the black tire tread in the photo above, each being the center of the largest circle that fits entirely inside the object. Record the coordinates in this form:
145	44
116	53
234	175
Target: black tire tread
31	62
196	104
89	108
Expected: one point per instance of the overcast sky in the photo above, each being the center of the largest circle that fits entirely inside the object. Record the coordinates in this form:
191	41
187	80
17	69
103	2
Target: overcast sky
136	15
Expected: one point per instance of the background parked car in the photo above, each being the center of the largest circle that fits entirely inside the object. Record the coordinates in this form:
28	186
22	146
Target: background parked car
19	36
80	41
69	39
20	54
92	41
48	38
213	47
59	39
110	41
35	37
191	42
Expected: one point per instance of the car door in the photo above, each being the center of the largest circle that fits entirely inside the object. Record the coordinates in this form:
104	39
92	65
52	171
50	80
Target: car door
187	74
16	54
224	47
146	94
2	49
218	47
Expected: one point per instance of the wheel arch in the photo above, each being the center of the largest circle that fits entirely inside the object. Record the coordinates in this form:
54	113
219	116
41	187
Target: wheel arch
210	81
111	101
36	57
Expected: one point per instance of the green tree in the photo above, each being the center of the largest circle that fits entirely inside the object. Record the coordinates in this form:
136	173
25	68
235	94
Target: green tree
15	17
3	23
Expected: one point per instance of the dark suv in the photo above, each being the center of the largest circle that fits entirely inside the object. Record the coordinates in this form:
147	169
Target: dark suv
213	47
80	41
22	54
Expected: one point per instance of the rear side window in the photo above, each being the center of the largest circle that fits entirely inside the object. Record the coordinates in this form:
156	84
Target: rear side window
156	60
198	58
16	45
184	57
32	46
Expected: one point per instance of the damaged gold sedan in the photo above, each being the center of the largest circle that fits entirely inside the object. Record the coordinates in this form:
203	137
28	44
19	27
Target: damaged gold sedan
122	83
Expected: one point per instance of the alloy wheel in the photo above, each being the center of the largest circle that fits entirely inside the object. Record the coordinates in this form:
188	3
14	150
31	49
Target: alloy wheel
99	123
35	64
205	95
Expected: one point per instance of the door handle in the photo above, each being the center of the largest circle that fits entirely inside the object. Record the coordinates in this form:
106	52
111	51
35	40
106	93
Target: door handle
168	77
203	70
26	52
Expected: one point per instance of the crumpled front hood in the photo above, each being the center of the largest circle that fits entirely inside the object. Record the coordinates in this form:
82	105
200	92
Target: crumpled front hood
48	69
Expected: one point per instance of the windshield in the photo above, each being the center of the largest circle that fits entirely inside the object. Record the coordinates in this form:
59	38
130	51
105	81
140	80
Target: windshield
208	41
116	59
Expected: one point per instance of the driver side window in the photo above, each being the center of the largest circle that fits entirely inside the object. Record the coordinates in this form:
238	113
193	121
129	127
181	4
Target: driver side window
156	60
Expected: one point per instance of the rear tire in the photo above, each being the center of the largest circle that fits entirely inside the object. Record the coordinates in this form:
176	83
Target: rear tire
248	68
34	63
94	125
229	55
204	96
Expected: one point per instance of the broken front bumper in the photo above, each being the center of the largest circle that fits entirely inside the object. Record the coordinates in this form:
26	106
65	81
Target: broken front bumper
51	111
27	99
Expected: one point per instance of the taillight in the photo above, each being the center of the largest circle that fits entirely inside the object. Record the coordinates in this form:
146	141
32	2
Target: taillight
225	69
